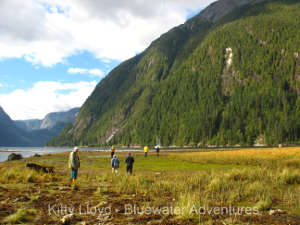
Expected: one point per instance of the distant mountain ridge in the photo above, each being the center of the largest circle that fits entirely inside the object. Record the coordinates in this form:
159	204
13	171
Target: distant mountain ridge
50	120
29	125
33	132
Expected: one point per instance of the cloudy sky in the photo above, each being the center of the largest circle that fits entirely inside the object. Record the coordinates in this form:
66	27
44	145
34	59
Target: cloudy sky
54	52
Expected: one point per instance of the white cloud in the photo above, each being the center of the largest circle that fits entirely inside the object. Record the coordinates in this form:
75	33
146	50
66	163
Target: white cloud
1	85
106	60
48	31
91	72
45	97
77	70
96	72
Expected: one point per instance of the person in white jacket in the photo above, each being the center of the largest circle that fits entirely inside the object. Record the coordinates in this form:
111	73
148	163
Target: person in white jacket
74	164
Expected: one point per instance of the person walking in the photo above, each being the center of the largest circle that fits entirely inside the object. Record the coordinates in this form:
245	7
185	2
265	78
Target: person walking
129	161
146	149
157	148
115	163
74	164
112	151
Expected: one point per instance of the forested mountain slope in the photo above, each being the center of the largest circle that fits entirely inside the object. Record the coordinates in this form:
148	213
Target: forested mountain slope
216	80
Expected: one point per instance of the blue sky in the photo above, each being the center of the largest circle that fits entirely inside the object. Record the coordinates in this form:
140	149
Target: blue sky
21	74
53	53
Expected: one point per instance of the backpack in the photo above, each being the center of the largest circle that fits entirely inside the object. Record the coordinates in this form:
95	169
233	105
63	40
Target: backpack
116	162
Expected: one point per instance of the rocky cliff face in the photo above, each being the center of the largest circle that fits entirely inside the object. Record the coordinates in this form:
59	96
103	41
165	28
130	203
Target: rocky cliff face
50	121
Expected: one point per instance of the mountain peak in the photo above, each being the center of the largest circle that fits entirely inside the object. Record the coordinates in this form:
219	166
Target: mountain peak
3	114
216	11
221	8
1	110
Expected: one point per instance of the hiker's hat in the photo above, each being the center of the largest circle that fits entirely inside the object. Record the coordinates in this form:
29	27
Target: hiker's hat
76	148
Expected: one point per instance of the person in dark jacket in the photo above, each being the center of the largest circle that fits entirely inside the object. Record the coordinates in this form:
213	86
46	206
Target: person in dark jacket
129	161
157	148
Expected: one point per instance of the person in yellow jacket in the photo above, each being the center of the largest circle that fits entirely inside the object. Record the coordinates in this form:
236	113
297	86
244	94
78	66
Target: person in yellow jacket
146	150
112	151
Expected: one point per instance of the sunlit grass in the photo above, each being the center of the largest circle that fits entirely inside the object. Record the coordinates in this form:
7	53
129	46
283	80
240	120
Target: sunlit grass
21	216
262	178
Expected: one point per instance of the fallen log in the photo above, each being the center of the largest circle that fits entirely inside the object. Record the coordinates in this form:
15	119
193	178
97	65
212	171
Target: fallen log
39	168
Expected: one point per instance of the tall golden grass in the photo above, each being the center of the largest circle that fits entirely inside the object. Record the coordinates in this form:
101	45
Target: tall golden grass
269	179
266	178
271	157
24	175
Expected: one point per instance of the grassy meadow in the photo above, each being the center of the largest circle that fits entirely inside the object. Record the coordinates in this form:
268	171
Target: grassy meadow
188	187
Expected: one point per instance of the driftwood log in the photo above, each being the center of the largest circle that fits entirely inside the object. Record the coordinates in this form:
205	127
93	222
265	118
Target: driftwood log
39	168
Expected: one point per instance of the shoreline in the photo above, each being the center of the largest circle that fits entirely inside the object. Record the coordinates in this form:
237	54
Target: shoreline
6	150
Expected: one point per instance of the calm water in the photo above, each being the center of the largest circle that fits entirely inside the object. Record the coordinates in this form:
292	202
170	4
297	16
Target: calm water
30	151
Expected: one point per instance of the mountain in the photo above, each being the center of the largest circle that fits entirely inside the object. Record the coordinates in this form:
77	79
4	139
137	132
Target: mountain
50	121
219	9
230	75
10	134
29	125
40	131
30	133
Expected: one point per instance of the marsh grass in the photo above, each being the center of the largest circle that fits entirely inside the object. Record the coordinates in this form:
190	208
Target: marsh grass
290	176
253	185
262	178
264	204
35	198
187	202
292	163
271	157
24	175
21	216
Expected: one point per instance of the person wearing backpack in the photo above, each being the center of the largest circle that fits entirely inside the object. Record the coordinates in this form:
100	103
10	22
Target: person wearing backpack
115	163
